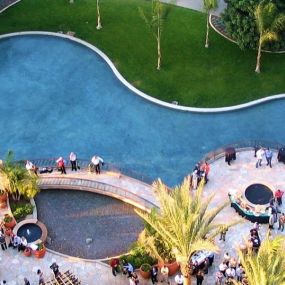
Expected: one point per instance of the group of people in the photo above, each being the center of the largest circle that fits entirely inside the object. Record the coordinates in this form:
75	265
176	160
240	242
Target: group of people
200	171
275	215
262	153
94	166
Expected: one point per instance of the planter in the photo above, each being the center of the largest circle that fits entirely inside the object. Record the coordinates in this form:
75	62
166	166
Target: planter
27	252
9	221
40	253
172	267
145	271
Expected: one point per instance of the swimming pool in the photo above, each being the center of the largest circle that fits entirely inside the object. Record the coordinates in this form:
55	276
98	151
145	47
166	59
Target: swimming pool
58	96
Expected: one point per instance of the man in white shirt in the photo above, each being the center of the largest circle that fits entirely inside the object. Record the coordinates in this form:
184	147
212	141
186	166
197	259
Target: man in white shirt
179	279
96	160
31	167
164	274
259	155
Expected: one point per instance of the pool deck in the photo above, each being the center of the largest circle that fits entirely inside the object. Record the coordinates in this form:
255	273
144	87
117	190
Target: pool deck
222	178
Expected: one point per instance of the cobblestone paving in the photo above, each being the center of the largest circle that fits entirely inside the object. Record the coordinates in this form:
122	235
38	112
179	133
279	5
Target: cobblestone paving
73	216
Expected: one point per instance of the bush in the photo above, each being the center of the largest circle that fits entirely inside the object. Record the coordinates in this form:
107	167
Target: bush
137	259
21	210
145	267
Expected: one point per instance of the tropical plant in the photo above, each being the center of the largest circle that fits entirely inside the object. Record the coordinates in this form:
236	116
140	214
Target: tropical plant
184	221
16	180
269	22
155	21
267	266
145	267
99	25
209	5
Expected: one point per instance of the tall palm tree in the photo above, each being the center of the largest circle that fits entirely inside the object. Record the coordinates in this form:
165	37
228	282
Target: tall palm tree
16	180
267	266
155	22
269	22
99	25
184	222
209	5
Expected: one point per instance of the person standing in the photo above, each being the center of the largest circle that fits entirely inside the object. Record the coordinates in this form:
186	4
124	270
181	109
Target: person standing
259	155
96	160
61	165
179	279
219	278
281	222
278	195
41	277
3	240
73	161
268	156
26	281
223	233
115	263
164	274
200	277
206	169
153	274
31	168
271	222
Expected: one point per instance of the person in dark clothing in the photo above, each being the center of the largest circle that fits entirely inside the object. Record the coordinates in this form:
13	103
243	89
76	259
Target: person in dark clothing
200	277
153	274
54	267
26	281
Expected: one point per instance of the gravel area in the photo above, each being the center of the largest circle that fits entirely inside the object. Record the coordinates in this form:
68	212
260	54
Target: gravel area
71	217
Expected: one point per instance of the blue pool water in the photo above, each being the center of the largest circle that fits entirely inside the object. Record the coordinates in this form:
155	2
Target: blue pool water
57	96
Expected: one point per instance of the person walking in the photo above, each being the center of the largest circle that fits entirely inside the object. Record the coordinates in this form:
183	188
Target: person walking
259	155
73	161
219	278
281	222
268	156
41	277
271	222
96	160
223	233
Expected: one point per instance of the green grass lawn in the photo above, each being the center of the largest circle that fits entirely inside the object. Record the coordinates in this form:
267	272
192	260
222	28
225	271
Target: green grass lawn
221	75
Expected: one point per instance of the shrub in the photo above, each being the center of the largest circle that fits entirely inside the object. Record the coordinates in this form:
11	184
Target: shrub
21	210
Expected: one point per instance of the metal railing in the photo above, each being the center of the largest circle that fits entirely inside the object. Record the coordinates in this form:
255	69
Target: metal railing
239	146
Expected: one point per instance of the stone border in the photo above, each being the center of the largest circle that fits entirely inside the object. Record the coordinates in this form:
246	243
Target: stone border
232	40
140	93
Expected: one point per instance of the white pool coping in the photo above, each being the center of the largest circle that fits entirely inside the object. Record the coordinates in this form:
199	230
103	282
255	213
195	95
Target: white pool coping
140	93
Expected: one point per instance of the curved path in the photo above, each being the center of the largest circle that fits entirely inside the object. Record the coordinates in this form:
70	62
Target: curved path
222	179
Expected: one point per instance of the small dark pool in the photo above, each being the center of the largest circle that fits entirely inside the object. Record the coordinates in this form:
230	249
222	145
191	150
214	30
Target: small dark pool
31	232
258	194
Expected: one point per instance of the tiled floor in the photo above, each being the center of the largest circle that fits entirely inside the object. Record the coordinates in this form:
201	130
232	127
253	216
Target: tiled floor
14	267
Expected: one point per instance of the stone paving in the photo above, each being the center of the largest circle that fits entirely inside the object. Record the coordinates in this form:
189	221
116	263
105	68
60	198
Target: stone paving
222	178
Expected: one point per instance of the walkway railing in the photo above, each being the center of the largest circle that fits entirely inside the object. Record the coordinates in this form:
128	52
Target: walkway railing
107	189
83	163
4	4
245	144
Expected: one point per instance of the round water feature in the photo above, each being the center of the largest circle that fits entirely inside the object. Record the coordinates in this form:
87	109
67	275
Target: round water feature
31	232
258	194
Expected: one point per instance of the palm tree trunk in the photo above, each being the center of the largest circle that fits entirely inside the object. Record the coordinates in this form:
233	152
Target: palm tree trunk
207	33
99	26
158	44
257	68
185	270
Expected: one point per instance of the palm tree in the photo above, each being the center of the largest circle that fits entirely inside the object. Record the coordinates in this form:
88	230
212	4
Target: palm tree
155	22
269	22
16	180
267	266
184	222
208	6
99	26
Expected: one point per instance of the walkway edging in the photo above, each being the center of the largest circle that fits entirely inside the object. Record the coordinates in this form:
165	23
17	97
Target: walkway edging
140	93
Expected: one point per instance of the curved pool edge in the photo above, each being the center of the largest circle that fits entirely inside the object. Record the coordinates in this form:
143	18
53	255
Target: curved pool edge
140	93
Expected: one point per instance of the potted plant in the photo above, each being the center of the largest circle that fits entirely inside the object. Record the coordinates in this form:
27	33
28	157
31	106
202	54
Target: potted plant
8	231
145	270
9	221
27	252
40	251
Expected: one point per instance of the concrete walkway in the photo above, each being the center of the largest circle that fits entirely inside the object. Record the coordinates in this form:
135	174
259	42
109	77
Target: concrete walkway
197	5
14	266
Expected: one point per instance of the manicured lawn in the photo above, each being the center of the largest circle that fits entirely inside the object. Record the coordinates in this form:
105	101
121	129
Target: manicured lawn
221	75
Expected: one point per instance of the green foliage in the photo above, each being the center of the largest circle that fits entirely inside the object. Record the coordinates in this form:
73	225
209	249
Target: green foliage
8	218
137	258
16	180
239	18
21	210
146	267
